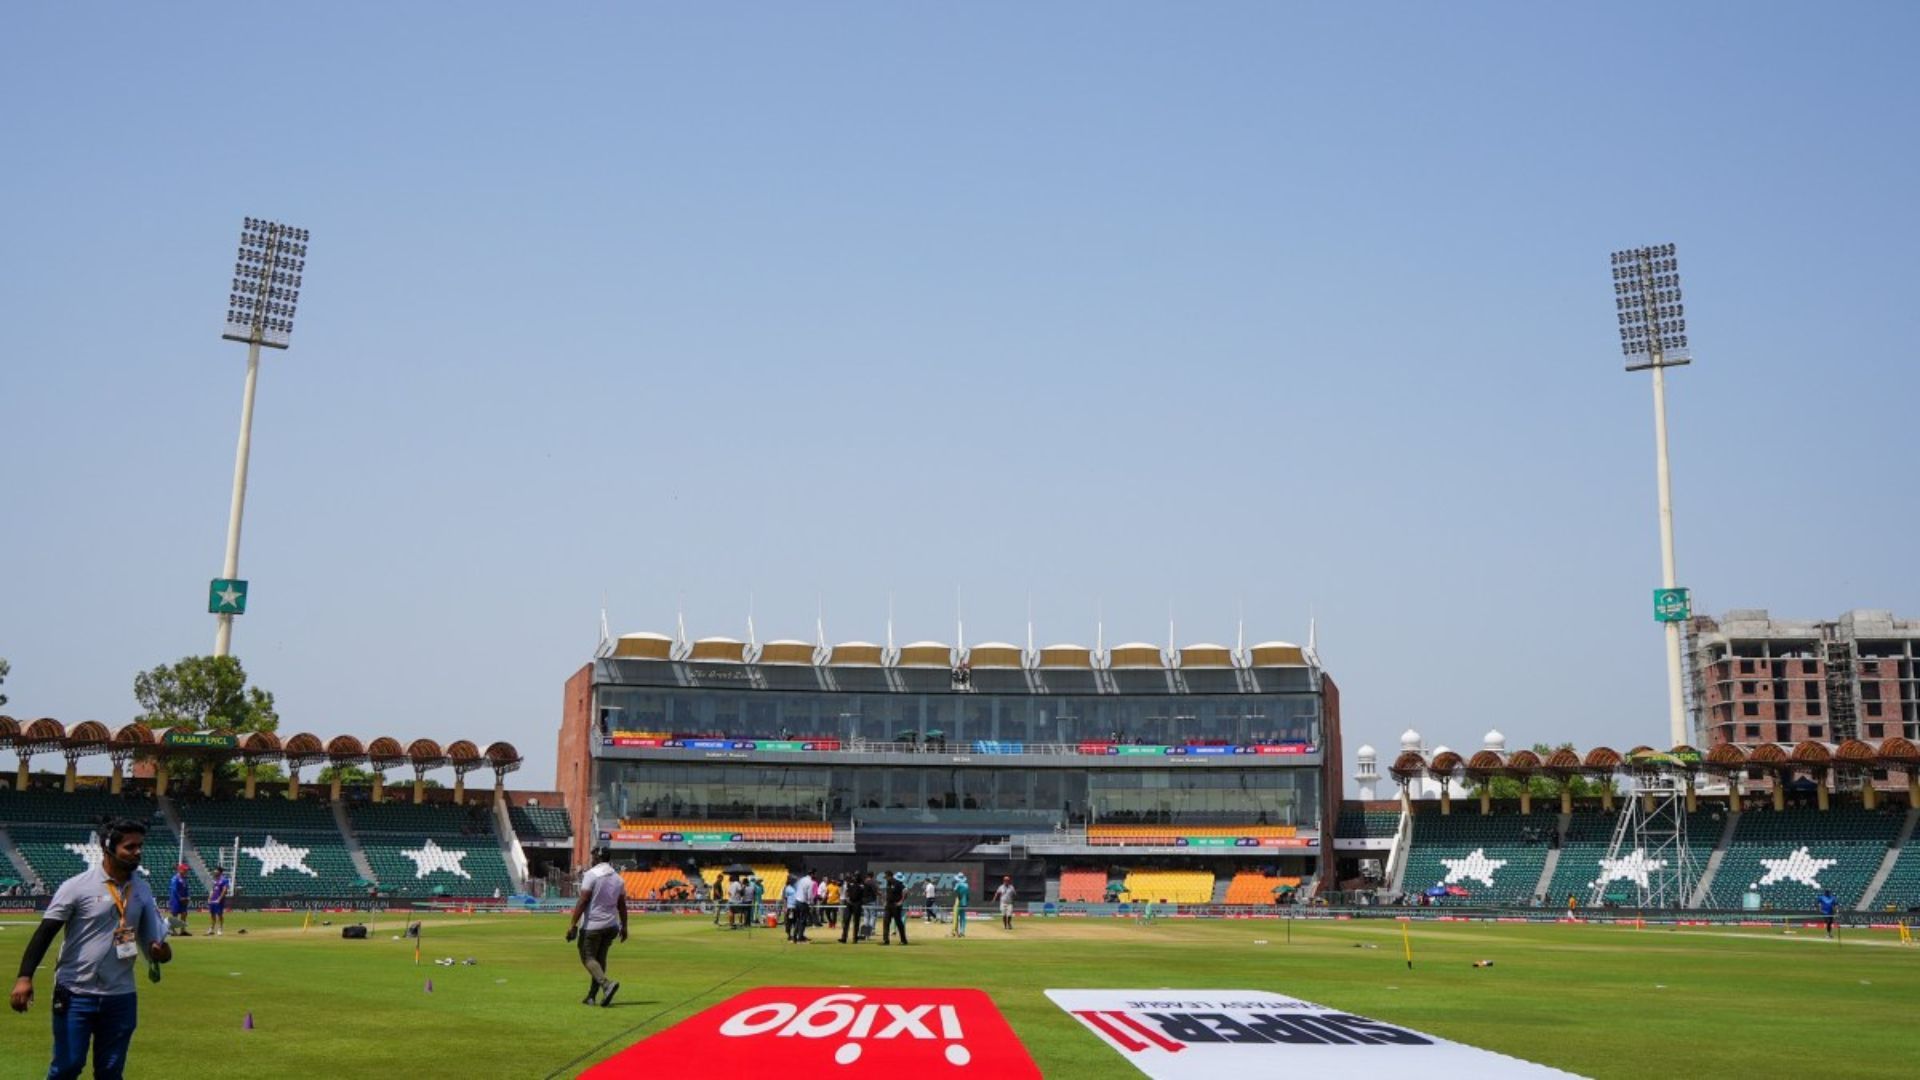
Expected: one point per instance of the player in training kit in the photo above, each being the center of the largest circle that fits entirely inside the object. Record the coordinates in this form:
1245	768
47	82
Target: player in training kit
217	901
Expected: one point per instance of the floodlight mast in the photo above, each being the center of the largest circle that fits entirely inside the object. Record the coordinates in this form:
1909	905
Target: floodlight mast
1653	334
266	289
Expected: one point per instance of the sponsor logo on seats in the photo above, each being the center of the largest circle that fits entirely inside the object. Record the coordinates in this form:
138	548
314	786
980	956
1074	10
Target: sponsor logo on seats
1210	1034
838	1032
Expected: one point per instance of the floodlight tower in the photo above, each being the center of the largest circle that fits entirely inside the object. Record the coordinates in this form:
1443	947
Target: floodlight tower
266	288
1653	335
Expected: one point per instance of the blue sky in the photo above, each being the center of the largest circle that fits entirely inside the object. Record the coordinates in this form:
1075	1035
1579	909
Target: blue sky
1285	308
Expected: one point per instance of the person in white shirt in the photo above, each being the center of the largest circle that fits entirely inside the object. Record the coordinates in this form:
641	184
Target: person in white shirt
931	889
802	907
603	904
1004	896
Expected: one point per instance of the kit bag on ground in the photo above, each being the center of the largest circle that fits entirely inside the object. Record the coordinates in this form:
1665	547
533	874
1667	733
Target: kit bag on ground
354	933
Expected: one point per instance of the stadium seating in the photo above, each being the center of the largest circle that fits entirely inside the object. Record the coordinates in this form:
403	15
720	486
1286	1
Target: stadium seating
44	823
1509	849
275	835
1902	889
773	875
1083	886
1175	886
1251	887
772	832
1590	837
1368	824
417	849
650	884
541	825
1843	850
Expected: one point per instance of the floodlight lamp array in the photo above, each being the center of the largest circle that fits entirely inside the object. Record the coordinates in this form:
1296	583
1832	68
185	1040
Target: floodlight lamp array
1646	291
266	283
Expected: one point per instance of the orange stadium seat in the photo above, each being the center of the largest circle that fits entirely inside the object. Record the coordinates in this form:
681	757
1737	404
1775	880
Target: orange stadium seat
1254	888
1083	886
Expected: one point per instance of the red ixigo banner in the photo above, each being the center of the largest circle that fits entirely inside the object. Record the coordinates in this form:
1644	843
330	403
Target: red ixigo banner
839	1031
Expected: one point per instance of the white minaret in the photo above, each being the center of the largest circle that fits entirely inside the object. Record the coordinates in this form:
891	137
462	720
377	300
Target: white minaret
1496	742
1367	774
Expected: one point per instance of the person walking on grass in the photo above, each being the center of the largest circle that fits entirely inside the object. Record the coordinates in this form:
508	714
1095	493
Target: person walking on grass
111	920
178	896
1826	901
852	897
1004	897
962	894
603	907
930	915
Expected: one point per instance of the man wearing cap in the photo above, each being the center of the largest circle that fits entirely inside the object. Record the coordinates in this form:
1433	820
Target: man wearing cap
217	902
603	903
896	912
962	894
1004	897
111	922
177	897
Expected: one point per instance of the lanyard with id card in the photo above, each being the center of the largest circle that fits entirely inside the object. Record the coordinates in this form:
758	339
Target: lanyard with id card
125	944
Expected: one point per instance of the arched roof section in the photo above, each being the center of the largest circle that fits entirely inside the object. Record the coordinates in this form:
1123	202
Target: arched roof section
1899	753
45	731
386	750
1485	763
345	748
1855	752
787	651
88	735
1522	762
719	650
463	753
925	654
9	730
426	754
1601	757
1066	656
1408	766
1811	753
1205	655
260	743
1564	761
996	654
1767	756
1135	654
502	753
1277	654
1726	757
644	647
304	743
1445	763
133	736
856	654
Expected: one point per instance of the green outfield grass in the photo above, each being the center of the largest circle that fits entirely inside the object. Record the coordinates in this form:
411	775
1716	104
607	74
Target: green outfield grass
1600	1001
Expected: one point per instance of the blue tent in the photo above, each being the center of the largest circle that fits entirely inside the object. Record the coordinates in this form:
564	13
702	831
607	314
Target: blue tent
1437	890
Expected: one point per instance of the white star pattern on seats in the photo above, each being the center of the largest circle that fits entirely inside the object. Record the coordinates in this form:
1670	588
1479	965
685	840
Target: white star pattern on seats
90	854
1476	866
276	855
1632	868
430	857
1800	866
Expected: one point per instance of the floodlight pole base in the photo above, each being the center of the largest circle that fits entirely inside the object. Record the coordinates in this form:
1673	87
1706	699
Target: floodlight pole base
223	633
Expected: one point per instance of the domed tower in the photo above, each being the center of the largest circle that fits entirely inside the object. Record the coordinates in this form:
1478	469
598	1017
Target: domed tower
1496	742
1367	774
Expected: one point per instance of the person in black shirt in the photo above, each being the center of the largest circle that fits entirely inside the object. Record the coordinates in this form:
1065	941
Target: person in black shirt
895	916
852	895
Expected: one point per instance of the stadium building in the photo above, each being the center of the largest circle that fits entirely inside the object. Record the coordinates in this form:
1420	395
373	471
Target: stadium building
1165	774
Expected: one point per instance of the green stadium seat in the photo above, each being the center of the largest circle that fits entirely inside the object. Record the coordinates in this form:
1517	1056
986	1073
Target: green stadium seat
1468	849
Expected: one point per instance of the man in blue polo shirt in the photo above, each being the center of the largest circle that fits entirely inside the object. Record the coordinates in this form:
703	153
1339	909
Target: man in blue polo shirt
1826	908
112	923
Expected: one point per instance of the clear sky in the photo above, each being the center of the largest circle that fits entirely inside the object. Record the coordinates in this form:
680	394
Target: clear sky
1296	309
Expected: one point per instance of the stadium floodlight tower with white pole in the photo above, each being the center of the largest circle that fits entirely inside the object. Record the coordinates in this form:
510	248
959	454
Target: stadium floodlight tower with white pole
266	288
1653	335
1649	851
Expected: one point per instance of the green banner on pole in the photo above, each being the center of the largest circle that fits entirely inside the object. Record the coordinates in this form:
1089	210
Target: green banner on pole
227	596
1672	605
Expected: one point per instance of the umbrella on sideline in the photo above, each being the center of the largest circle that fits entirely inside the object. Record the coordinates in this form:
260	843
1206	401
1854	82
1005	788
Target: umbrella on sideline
1437	890
1278	889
